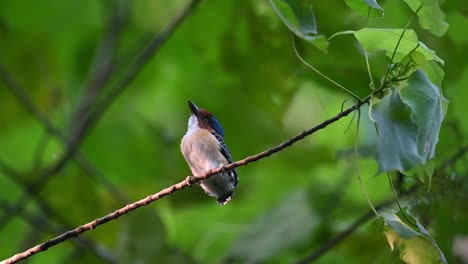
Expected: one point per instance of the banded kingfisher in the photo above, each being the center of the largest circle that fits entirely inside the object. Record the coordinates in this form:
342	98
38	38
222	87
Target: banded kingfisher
204	149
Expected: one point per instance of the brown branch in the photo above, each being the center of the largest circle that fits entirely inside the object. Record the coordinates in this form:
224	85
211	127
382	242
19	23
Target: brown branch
40	223
176	187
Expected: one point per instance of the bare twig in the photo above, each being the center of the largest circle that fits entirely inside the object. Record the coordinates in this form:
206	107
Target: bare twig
176	187
41	224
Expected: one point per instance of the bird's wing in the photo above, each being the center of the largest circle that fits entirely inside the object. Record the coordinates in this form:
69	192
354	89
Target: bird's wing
225	151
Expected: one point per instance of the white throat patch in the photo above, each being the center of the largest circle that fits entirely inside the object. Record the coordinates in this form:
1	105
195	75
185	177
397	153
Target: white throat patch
192	125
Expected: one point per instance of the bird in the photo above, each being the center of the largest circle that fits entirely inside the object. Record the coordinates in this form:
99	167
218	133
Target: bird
204	149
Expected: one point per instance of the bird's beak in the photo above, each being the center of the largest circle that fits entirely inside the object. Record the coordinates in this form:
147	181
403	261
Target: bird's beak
194	108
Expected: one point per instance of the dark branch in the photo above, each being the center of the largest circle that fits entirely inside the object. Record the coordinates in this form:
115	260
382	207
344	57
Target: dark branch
331	243
447	163
20	93
102	68
135	68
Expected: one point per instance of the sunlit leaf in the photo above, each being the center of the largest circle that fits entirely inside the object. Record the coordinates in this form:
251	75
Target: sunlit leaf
432	69
384	39
366	8
416	246
430	15
299	17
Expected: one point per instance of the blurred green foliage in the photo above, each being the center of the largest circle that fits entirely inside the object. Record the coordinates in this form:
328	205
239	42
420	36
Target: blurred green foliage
235	59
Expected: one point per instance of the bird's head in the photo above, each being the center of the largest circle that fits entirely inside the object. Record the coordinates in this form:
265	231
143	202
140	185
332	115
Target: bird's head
203	119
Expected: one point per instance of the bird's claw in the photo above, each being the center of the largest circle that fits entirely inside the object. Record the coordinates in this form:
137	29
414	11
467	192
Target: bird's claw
189	180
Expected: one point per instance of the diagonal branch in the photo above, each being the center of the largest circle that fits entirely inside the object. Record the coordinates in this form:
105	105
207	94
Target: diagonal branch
178	186
20	93
103	66
141	60
40	223
331	243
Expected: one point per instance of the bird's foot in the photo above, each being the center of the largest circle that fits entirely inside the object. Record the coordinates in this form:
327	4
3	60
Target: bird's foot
189	180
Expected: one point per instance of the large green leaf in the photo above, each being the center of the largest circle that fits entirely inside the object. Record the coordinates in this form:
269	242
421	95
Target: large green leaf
416	245
299	17
283	227
385	39
427	110
366	8
430	16
397	147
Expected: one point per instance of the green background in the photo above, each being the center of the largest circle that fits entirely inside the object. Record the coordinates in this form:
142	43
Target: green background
235	59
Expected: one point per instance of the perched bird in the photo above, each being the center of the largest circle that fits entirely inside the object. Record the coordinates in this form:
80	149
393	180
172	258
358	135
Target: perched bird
203	148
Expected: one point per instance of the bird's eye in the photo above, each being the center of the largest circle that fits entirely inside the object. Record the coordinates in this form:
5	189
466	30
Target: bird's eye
207	120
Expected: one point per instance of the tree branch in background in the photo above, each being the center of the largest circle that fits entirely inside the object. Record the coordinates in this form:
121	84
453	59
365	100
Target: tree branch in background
460	154
89	120
86	123
25	100
102	68
41	224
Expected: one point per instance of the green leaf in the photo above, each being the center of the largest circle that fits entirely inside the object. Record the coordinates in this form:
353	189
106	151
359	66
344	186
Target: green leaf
384	39
432	69
366	8
416	246
285	226
397	147
427	110
430	15
409	121
299	17
423	172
